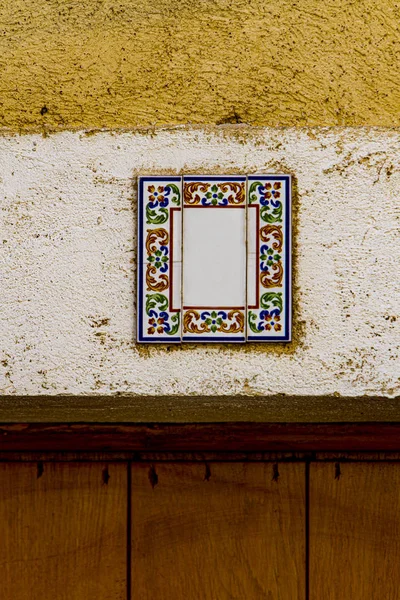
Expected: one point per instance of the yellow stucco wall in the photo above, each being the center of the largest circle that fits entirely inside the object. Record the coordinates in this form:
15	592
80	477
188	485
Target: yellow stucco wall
128	63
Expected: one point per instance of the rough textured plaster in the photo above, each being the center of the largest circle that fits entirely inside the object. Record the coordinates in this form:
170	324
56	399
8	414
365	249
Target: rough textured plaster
67	265
119	63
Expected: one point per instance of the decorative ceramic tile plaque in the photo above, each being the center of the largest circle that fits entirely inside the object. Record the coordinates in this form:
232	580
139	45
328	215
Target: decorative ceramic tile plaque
223	272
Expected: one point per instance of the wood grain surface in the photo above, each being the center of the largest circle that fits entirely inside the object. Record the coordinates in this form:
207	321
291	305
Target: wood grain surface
63	531
355	531
218	532
200	437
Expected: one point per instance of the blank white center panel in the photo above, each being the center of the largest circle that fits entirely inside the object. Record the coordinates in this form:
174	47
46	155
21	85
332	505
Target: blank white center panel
214	259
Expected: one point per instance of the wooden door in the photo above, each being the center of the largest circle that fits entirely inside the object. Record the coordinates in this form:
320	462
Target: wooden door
199	525
218	531
355	531
63	531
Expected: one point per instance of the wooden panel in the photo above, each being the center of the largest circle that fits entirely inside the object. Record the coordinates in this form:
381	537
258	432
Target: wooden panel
218	531
354	531
63	531
201	437
217	456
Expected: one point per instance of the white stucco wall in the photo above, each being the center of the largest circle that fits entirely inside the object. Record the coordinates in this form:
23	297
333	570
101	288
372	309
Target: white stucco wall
67	264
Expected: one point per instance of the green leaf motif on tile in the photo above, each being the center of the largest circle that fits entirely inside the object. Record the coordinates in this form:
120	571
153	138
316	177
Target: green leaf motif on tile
252	195
253	322
156	218
272	298
175	326
177	198
275	216
153	300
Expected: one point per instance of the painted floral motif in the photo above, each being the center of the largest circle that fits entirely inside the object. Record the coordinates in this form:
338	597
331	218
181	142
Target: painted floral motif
271	269
214	197
159	320
269	231
191	191
268	195
214	194
156	237
213	321
268	257
157	259
272	276
158	199
160	221
154	281
269	318
274	235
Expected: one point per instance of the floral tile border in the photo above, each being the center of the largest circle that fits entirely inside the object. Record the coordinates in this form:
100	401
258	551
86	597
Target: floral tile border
266	317
159	259
214	191
214	323
269	258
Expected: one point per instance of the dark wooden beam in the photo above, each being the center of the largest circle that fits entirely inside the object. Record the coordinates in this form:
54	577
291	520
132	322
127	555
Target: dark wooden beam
201	437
